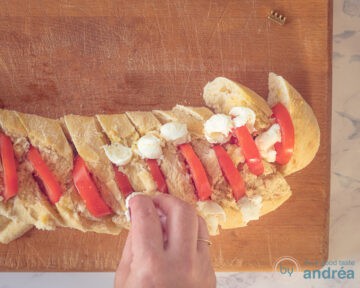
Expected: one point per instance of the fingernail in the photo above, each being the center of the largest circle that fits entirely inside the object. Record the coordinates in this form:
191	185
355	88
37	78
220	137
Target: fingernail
127	204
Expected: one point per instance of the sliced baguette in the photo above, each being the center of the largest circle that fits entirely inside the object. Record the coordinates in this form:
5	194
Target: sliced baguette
222	94
172	166
30	205
119	129
271	185
307	131
48	137
88	140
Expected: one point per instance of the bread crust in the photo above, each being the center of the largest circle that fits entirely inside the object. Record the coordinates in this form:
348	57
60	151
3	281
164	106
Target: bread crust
10	230
307	131
222	94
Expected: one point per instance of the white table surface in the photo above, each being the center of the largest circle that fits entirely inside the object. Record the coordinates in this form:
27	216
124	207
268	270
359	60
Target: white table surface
345	178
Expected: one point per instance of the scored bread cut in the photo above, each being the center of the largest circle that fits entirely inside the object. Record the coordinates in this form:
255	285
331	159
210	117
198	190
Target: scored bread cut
271	186
48	137
171	165
119	129
30	205
307	131
88	140
222	94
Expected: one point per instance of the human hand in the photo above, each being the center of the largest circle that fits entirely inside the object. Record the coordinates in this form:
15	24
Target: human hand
181	261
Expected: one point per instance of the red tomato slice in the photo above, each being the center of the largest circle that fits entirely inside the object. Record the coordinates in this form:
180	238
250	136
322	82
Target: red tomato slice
88	190
251	152
285	148
9	166
52	186
231	174
197	171
157	175
123	182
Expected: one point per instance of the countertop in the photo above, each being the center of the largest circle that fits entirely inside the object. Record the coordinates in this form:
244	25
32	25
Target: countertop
345	181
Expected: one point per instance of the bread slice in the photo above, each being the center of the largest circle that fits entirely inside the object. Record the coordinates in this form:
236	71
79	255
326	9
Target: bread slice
307	131
88	140
119	129
172	165
48	137
222	94
30	205
11	230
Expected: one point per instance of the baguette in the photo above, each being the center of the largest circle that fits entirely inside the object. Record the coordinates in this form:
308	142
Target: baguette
58	141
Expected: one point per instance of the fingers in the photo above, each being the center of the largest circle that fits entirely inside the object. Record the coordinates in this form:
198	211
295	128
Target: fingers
146	232
181	223
124	266
203	233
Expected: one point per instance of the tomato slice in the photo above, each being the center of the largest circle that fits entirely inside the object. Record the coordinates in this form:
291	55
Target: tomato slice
157	175
231	174
9	166
284	149
123	182
52	186
251	152
197	170
88	190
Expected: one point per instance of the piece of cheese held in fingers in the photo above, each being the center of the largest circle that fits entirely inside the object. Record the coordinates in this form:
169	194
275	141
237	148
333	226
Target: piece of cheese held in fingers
88	140
123	136
29	205
212	209
306	127
47	136
172	166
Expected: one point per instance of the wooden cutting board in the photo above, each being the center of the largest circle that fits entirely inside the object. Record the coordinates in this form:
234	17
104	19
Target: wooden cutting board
88	57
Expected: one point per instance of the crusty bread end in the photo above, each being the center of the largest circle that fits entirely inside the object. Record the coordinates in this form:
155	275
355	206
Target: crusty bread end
307	131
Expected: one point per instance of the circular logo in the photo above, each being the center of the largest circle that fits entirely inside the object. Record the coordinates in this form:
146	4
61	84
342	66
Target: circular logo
286	268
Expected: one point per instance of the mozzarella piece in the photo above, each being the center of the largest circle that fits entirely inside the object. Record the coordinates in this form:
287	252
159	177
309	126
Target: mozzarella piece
175	132
243	116
265	142
127	203
250	207
217	128
118	154
213	214
149	146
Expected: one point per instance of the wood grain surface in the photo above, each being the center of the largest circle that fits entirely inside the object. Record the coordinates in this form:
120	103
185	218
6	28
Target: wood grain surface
87	57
